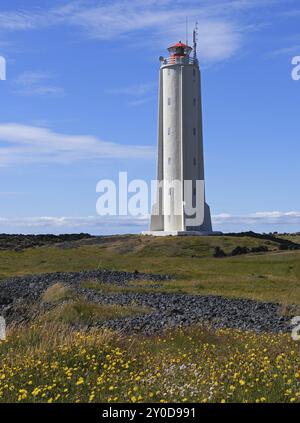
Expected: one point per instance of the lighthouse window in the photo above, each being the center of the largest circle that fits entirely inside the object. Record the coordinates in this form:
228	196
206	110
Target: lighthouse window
169	160
194	102
169	131
194	191
169	72
194	131
169	101
194	161
194	71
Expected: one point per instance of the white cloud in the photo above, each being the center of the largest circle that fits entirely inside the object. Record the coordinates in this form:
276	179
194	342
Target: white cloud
293	13
37	83
134	90
71	222
219	35
121	224
260	218
31	78
140	93
287	51
31	144
92	224
10	193
220	22
139	102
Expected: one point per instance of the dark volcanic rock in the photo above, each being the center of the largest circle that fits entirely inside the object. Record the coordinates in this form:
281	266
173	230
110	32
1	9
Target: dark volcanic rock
219	253
20	242
166	310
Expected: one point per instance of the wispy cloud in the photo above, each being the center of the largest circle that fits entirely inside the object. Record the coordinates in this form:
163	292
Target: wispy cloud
285	51
31	144
140	94
92	224
74	222
139	102
294	49
221	30
134	90
293	13
275	218
10	193
121	224
37	83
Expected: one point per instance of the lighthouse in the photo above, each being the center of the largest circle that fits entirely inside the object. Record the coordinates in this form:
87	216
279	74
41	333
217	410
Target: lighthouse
180	207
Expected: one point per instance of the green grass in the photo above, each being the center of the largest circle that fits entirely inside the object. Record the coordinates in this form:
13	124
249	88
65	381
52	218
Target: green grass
291	237
82	312
50	363
273	276
142	286
57	293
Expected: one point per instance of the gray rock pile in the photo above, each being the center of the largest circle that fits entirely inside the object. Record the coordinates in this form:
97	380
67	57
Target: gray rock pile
167	310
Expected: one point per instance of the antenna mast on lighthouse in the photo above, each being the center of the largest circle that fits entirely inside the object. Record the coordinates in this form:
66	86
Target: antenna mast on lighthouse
195	39
187	30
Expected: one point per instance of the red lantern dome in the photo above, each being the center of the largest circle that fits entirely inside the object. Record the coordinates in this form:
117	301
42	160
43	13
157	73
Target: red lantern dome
180	50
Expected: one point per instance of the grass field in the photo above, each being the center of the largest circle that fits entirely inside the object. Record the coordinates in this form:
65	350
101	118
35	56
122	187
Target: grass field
272	276
50	361
54	364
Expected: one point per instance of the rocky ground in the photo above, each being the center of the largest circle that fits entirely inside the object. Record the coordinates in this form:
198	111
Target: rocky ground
20	303
22	242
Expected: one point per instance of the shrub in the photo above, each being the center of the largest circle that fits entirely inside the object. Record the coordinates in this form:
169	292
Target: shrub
57	293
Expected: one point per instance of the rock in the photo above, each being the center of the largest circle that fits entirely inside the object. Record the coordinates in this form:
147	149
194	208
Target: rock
238	251
20	302
219	253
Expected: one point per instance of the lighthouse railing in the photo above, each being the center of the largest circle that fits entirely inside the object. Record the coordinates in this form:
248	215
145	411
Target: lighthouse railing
174	60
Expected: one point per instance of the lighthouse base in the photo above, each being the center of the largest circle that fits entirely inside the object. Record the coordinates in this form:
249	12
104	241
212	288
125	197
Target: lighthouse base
182	233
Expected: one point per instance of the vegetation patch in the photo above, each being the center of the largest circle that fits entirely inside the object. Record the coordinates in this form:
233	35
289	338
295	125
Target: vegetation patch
83	312
21	242
142	286
57	293
189	259
239	251
285	242
54	364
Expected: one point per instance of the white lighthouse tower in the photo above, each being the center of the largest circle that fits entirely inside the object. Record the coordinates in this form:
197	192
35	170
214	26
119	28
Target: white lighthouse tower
180	207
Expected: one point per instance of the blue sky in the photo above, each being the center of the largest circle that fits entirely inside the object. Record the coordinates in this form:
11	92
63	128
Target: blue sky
80	104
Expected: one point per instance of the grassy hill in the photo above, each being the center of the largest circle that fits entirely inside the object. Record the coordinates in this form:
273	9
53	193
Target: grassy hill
52	361
271	276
